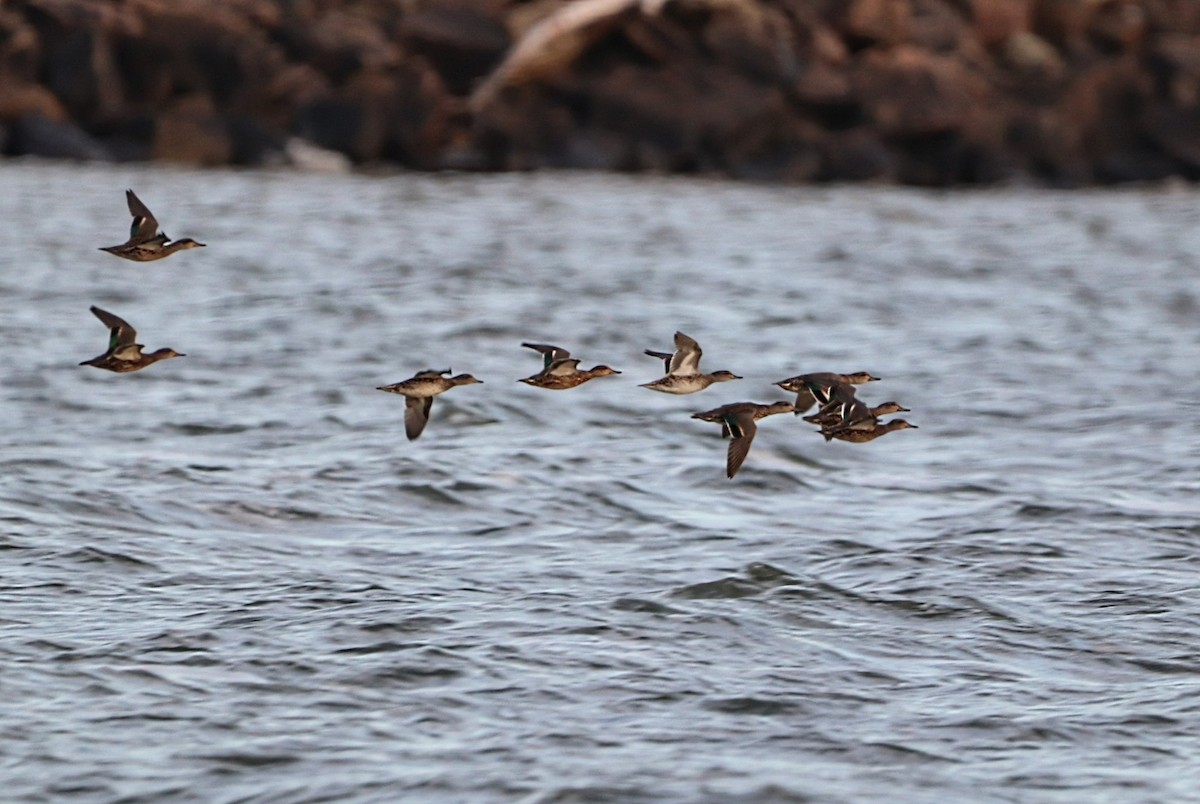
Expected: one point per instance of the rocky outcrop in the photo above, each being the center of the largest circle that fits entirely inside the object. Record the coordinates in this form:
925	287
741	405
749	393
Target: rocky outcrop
931	92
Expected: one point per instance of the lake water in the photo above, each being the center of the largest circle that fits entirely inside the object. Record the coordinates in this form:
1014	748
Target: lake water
230	577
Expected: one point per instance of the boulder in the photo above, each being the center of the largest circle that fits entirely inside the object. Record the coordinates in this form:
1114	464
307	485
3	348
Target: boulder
340	44
1176	131
856	155
1118	25
19	98
461	42
403	114
37	136
20	48
758	43
1175	63
939	26
191	132
875	22
995	21
908	92
77	63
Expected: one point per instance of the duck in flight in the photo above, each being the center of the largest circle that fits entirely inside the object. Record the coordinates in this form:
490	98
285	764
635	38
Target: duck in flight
560	371
683	369
146	243
124	353
856	435
419	391
737	422
818	387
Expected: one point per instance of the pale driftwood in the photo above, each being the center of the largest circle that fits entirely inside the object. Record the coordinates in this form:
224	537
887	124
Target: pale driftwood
548	47
553	44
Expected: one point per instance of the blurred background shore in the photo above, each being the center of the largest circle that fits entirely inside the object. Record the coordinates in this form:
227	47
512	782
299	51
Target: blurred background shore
925	92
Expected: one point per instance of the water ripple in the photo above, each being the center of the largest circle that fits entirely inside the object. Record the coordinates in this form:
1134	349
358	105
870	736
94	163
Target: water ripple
232	577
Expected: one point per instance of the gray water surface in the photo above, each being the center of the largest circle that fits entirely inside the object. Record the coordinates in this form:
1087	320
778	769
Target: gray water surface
230	577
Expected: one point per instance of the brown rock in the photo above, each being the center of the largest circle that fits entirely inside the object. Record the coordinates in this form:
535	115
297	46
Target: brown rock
1177	132
1033	56
289	88
463	43
21	99
1062	23
822	85
37	136
423	117
911	93
759	44
872	22
20	50
997	20
77	62
1102	107
186	48
1118	25
190	132
341	44
1175	58
352	120
402	114
1101	98
938	26
828	47
520	130
659	39
856	155
1175	16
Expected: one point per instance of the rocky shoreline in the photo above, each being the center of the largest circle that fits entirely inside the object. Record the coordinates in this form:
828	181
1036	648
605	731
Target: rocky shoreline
926	92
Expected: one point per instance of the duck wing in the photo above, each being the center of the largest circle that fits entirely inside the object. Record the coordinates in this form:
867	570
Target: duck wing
550	353
804	401
129	352
686	359
742	428
416	415
562	367
119	332
666	357
856	415
144	227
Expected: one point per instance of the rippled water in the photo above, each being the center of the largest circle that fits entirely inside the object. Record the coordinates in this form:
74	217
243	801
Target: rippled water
230	578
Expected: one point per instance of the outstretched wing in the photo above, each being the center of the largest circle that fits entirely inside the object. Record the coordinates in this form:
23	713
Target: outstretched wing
416	415
804	401
686	359
742	428
144	227
119	332
549	352
666	357
856	415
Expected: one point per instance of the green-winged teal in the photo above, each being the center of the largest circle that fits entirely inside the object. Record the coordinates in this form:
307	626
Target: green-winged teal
737	421
859	436
145	242
812	388
418	393
834	416
123	353
560	371
683	369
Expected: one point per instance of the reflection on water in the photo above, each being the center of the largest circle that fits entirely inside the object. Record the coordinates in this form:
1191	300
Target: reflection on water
232	573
